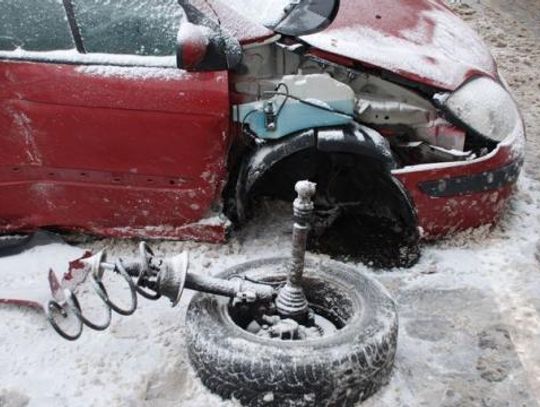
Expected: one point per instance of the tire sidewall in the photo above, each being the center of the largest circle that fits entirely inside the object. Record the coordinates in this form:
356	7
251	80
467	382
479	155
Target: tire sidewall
343	366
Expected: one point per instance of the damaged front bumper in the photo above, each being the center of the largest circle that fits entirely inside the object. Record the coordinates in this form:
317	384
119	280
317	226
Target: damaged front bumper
456	196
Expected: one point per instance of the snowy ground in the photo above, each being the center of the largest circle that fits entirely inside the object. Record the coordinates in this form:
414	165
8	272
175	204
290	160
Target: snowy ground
470	310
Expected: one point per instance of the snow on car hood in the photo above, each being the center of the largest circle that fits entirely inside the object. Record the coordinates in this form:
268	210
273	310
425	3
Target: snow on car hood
418	39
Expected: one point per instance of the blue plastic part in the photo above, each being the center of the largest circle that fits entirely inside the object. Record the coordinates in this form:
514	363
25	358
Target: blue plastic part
295	116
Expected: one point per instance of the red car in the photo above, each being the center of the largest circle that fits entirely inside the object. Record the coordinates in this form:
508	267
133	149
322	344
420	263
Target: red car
165	119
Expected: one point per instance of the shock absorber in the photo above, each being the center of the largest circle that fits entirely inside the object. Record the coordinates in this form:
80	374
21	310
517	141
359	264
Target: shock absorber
148	276
291	301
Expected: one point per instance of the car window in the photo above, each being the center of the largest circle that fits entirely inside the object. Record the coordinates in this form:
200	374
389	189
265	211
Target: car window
137	27
34	25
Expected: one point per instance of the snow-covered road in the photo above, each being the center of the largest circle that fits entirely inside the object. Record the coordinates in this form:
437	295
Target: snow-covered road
470	310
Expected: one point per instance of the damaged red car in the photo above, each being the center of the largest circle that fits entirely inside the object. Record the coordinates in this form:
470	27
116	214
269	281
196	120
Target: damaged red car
173	118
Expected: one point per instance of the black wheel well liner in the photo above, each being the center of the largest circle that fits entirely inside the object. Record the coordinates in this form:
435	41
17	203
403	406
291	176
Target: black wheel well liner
373	155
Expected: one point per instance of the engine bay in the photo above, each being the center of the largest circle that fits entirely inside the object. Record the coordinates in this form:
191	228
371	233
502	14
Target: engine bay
281	89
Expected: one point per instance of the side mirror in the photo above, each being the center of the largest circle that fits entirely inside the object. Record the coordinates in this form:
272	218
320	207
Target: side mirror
204	48
192	46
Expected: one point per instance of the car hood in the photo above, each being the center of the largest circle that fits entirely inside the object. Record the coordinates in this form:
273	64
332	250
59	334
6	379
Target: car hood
420	40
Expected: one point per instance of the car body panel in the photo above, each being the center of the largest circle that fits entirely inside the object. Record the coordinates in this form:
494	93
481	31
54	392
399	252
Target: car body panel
111	146
441	213
420	40
142	151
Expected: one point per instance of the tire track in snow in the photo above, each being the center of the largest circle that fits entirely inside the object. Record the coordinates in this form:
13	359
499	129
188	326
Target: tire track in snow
524	323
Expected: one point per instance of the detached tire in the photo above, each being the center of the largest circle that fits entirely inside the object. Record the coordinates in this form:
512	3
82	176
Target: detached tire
337	370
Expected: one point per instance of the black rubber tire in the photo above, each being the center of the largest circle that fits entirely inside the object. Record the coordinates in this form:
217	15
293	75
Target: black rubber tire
9	244
337	370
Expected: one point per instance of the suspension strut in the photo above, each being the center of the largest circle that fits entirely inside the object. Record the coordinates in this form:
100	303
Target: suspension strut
153	277
149	276
168	277
291	301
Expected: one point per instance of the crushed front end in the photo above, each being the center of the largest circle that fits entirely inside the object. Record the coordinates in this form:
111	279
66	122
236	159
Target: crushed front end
425	160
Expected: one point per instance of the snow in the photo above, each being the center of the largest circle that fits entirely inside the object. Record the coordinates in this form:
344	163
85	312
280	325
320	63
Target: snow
74	57
215	220
267	13
128	354
486	107
235	18
140	360
132	72
422	51
469	311
196	36
331	135
305	189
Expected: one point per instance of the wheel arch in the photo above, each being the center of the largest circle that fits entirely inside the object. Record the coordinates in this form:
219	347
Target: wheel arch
364	143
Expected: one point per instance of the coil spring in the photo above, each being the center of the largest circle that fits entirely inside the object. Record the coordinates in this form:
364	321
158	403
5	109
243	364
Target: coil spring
71	305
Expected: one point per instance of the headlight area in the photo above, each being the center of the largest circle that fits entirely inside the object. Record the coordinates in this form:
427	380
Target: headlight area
483	107
451	197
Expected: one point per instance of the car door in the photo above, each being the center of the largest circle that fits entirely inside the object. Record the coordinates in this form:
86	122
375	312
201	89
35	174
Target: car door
99	130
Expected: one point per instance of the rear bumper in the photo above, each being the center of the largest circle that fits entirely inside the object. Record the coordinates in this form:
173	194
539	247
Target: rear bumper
452	197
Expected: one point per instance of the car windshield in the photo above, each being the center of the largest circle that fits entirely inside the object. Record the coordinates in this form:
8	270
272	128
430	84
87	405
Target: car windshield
267	13
290	17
